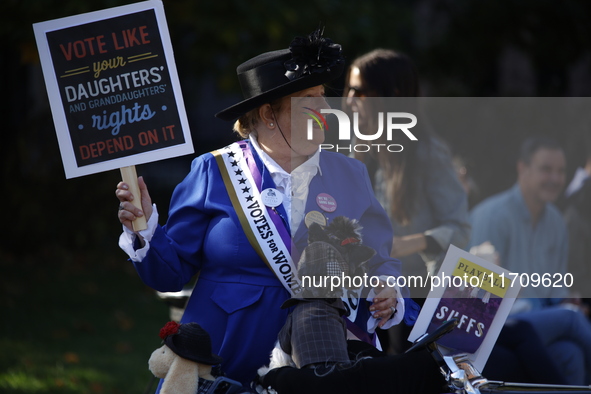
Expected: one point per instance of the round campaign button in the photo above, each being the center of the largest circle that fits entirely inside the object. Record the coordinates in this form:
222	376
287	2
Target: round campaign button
315	217
326	202
271	197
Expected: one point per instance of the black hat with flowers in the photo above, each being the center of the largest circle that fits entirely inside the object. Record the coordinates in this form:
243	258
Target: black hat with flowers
310	61
190	341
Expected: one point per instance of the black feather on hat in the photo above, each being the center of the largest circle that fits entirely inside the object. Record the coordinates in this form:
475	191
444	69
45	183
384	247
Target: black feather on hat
310	61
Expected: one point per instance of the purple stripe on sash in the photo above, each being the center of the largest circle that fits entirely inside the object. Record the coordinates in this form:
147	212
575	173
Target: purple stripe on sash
258	180
359	333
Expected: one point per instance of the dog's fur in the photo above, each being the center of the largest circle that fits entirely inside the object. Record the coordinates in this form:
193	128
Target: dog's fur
181	375
344	235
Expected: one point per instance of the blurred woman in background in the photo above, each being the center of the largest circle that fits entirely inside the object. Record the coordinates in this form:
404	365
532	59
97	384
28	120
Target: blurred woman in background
418	187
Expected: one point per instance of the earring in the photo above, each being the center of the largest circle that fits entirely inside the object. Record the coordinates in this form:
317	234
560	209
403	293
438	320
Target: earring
271	124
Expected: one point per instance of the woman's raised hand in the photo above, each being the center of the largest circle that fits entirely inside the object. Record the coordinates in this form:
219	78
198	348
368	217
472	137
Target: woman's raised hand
127	211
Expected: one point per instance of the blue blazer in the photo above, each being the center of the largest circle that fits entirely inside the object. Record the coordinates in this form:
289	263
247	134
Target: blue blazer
237	298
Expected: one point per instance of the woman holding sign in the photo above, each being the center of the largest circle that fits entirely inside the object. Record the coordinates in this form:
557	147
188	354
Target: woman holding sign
241	214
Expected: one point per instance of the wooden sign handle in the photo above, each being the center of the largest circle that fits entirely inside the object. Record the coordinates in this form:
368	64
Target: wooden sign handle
129	176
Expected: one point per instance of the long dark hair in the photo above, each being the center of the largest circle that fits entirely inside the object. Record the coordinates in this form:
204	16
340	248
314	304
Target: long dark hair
386	73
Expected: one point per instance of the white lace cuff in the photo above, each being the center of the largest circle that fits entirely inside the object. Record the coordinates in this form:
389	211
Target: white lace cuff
127	238
372	322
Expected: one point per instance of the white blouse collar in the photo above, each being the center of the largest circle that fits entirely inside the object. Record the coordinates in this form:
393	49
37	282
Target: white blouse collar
310	165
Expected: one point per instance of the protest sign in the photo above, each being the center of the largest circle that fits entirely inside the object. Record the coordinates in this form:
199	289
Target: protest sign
479	294
113	88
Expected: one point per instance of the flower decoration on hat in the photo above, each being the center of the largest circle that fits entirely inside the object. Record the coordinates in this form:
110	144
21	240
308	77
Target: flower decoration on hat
312	54
169	328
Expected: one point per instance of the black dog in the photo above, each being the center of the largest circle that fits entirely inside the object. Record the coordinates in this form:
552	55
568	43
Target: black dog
315	333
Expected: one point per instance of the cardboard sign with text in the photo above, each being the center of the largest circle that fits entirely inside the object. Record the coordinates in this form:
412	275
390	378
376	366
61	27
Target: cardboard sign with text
113	88
479	294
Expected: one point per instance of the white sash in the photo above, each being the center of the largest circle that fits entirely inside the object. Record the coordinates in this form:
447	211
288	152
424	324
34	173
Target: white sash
260	229
254	217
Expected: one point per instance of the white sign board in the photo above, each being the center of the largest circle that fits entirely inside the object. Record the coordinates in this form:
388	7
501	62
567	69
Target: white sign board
479	294
113	88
